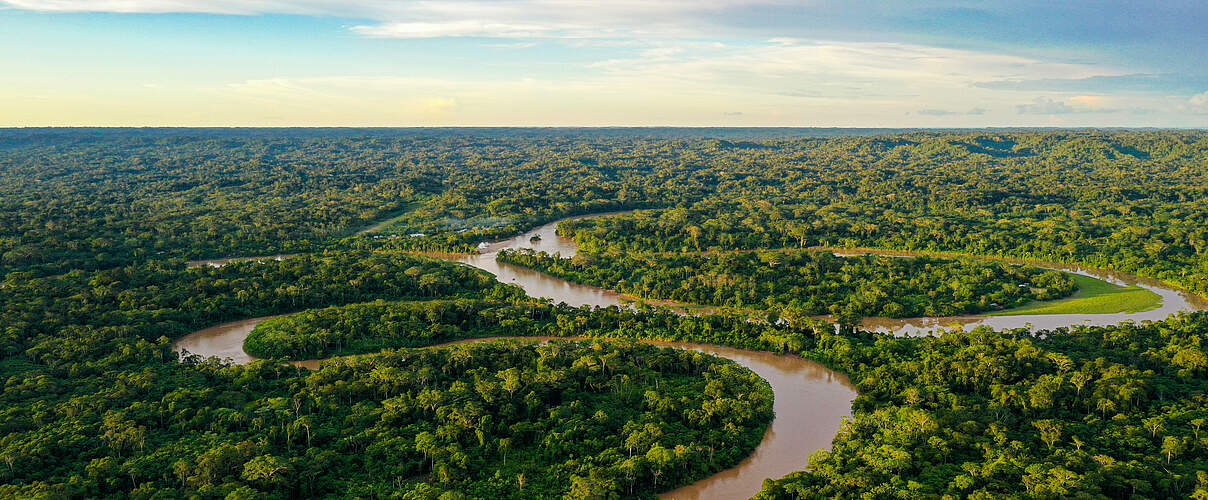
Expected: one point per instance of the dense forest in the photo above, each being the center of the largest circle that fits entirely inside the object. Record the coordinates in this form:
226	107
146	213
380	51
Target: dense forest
1133	201
96	226
164	299
1108	412
369	327
797	283
481	420
1113	412
95	402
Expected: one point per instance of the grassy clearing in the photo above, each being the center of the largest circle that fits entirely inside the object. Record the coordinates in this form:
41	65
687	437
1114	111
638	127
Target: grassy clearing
1094	296
398	215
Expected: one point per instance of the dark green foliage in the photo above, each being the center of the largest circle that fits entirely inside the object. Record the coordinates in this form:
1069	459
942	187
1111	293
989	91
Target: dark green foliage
166	299
89	199
1113	412
369	327
1133	201
799	283
95	403
502	421
487	420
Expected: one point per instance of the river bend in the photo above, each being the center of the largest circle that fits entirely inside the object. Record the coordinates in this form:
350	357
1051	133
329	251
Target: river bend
811	401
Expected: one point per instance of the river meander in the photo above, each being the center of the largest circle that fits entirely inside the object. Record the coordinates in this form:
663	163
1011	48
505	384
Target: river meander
810	400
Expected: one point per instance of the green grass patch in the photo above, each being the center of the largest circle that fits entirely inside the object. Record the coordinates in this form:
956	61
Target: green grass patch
392	220
1094	296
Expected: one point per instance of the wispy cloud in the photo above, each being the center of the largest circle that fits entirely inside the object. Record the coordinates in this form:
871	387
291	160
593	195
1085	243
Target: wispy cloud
1137	82
461	28
1076	104
945	112
781	82
512	45
1044	106
834	69
168	6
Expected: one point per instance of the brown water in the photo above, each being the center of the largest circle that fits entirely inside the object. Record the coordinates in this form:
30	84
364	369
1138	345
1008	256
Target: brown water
223	341
811	401
537	284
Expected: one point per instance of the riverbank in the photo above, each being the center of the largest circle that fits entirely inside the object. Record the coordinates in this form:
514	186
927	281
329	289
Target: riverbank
1094	296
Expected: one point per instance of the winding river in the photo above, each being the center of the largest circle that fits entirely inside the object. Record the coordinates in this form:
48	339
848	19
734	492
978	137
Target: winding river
810	400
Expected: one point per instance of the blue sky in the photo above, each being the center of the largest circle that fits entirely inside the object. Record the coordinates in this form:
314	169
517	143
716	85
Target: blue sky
924	63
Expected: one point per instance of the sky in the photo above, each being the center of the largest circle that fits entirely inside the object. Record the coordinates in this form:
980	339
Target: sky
808	63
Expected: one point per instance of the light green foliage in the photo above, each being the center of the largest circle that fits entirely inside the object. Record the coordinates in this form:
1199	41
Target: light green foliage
1092	412
1094	296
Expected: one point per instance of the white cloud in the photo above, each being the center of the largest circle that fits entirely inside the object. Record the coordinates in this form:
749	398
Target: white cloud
836	70
778	82
512	45
1199	103
456	28
781	82
946	112
549	18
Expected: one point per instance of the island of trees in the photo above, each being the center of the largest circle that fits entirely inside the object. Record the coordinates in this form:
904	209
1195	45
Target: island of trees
795	284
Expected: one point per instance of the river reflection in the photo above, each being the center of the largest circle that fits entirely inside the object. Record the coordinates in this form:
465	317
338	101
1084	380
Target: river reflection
536	284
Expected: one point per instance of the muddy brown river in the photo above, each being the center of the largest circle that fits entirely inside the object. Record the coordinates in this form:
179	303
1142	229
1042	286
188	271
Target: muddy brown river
811	401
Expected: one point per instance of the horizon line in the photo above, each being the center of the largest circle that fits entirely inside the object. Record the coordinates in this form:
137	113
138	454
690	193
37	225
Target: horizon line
586	127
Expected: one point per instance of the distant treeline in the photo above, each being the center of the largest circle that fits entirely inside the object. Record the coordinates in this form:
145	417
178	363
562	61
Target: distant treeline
88	199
